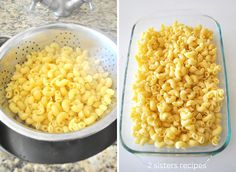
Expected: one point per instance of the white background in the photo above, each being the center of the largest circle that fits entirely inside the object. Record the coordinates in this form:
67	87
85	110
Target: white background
224	11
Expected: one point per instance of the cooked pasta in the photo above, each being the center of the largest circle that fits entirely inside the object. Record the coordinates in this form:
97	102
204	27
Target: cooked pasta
59	89
176	93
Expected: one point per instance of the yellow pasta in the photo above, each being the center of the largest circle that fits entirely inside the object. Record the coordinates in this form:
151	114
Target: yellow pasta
58	89
176	93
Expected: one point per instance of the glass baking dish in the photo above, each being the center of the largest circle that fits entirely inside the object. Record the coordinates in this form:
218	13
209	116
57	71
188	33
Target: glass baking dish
131	67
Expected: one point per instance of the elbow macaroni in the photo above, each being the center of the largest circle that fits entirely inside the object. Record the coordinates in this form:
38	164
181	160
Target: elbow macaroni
59	90
177	94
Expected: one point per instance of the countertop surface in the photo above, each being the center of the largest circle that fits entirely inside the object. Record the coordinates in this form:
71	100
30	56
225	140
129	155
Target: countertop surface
224	12
16	17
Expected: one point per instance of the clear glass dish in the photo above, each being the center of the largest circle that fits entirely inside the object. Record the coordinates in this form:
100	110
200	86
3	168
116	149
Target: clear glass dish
131	67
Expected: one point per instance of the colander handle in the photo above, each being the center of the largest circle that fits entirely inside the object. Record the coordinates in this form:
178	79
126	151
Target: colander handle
3	39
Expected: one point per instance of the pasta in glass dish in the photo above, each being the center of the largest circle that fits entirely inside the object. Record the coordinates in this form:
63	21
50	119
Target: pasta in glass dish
176	93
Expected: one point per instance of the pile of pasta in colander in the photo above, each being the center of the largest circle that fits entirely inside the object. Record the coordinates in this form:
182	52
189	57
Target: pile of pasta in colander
59	89
176	93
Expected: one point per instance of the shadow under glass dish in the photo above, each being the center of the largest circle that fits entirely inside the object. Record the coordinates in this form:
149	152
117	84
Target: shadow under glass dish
127	140
36	146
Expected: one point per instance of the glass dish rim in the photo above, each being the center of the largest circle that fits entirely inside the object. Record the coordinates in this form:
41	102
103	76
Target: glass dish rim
228	136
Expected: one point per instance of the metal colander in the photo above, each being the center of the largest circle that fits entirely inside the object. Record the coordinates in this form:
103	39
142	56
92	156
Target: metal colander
14	52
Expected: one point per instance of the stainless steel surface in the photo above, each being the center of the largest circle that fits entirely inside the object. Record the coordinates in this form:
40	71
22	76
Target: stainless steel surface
62	7
3	39
14	51
35	146
56	152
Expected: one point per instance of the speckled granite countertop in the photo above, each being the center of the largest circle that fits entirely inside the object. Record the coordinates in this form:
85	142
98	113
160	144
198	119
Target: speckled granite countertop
14	18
